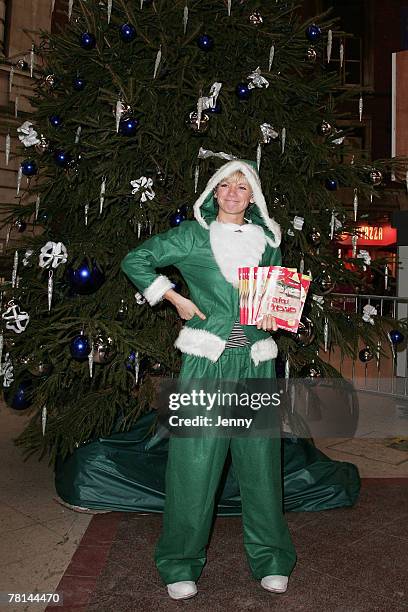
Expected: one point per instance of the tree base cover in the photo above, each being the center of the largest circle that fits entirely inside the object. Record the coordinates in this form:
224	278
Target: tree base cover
122	473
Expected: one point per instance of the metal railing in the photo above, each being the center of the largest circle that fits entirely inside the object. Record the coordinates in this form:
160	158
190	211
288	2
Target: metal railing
395	381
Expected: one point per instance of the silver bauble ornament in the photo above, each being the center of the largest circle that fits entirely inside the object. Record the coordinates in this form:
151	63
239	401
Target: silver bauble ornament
256	18
305	334
310	371
365	355
50	81
311	55
315	237
102	349
325	128
325	281
22	65
192	122
376	176
42	146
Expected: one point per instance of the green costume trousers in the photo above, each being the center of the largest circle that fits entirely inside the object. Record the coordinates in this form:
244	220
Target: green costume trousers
193	474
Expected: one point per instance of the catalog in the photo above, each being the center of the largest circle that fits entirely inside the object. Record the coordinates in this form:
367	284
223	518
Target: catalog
274	290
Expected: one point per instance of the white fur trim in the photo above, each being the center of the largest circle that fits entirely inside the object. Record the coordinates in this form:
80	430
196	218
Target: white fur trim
233	249
200	342
154	292
253	180
263	350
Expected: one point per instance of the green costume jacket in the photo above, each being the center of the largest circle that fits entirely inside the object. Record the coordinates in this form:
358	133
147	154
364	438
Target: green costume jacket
208	254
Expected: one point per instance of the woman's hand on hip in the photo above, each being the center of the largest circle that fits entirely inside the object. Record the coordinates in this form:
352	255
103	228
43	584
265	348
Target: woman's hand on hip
185	307
268	323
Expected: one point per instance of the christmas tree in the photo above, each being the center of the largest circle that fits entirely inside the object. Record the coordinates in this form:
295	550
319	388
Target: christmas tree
136	104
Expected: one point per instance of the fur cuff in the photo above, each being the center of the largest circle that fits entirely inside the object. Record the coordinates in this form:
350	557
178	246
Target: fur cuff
154	292
262	350
200	342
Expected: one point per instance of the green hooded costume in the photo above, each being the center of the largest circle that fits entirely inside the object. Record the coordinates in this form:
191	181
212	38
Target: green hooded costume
208	254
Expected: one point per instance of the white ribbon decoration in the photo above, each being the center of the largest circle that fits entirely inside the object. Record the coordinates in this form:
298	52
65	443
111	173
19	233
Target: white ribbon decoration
53	254
16	319
368	313
298	223
145	184
256	80
27	134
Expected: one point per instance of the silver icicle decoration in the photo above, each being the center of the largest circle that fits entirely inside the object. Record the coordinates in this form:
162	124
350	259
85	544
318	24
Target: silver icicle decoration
52	7
332	224
37	206
386	273
406	180
11	75
355	203
360	108
16	100
185	18
102	194
70	5
229	8
377	353
196	176
50	288
341	55
271	56
141	4
109	10
199	110
118	113
91	360
32	61
136	367
329	45
283	139
157	62
354	240
15	268
8	147
8	235
139	229
86	210
1	347
19	177
302	266
258	155
326	334
78	134
43	418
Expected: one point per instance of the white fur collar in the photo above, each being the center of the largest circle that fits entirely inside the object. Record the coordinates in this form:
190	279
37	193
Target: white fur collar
233	249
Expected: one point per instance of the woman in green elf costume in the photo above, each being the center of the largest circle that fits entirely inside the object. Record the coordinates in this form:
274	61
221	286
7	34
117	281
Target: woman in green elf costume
232	229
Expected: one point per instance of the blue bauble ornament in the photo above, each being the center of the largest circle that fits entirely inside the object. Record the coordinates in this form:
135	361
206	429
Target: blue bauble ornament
86	278
396	336
313	33
62	158
29	167
87	40
179	216
80	347
78	84
205	42
55	120
128	127
127	32
243	92
216	110
19	396
331	184
131	362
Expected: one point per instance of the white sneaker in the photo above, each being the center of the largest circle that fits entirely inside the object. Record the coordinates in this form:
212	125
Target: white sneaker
182	590
276	584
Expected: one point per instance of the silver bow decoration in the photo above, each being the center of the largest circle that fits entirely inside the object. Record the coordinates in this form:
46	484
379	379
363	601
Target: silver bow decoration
366	256
52	255
368	313
16	319
256	80
205	153
27	134
268	133
211	100
7	371
145	185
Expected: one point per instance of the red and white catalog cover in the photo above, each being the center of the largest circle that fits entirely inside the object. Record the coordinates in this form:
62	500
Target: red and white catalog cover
274	290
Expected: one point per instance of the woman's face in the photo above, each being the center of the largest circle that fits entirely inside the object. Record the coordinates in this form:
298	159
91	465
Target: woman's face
233	196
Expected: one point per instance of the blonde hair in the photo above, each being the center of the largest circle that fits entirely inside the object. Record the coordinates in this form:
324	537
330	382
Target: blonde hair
234	177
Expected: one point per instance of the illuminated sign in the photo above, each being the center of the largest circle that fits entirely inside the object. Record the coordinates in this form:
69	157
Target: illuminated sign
372	235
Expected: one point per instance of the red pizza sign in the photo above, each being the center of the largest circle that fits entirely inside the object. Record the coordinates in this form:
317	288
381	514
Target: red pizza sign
372	235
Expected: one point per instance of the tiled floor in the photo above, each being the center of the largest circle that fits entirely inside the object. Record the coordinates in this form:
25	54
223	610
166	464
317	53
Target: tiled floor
363	563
